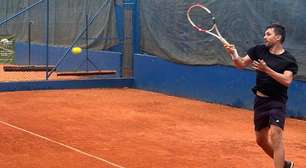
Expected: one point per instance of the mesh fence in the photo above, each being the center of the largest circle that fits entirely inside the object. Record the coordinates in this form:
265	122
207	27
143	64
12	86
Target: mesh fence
89	24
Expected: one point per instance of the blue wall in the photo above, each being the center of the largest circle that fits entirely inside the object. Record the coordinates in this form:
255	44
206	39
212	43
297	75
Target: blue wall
66	84
104	60
217	84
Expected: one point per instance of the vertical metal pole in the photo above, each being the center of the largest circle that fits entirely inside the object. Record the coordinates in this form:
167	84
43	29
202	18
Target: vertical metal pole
47	39
128	39
87	42
120	30
86	33
29	41
6	26
136	28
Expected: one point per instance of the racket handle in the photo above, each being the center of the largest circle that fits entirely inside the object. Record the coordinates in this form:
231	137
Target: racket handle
223	41
235	55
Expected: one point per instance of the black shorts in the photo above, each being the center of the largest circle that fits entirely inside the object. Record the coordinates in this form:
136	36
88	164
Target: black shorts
269	111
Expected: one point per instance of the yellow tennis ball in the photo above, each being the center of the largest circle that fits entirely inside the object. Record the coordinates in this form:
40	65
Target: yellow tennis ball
76	50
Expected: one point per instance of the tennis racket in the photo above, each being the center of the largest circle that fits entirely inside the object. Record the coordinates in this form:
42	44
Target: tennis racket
201	18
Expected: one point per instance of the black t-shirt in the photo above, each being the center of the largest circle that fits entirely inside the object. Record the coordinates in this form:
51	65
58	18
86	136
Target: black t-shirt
279	63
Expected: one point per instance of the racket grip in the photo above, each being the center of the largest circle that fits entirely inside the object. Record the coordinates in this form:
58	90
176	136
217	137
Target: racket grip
235	55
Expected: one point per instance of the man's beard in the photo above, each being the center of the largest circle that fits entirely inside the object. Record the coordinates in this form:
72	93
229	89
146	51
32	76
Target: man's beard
268	46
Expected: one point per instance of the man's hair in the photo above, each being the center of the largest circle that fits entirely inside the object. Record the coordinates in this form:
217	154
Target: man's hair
279	30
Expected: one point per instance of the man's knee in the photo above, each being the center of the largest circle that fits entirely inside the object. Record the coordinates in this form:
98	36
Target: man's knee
262	142
276	135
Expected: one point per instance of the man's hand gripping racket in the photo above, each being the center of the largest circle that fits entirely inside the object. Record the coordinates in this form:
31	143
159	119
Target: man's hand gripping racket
201	18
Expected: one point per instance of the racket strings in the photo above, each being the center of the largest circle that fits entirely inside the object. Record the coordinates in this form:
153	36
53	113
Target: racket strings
201	18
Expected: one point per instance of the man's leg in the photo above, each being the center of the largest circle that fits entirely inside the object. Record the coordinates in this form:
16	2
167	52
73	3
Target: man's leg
276	135
262	139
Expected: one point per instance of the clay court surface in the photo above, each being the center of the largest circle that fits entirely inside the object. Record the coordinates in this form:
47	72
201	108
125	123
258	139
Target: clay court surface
108	128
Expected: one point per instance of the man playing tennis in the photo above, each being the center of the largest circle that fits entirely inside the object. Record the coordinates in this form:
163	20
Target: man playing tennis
275	69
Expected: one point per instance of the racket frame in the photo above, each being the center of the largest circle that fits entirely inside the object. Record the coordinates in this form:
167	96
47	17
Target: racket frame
209	31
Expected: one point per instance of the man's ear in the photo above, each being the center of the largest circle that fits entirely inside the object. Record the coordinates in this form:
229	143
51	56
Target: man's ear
278	37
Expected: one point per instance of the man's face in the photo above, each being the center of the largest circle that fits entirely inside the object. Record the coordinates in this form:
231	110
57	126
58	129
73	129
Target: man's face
270	38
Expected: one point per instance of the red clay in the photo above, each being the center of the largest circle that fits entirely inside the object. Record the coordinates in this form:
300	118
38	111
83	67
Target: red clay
134	129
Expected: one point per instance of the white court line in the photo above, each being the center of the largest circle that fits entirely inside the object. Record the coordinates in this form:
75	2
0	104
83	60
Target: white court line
61	144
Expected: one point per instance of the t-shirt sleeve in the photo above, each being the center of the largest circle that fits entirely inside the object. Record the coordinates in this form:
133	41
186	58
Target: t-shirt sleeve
292	66
252	53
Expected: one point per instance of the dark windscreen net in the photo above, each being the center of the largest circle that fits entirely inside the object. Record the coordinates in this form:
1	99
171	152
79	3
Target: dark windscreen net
166	32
